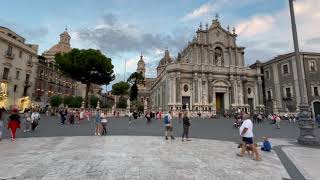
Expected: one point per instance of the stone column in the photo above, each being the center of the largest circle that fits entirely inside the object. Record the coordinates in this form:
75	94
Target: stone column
210	79
173	90
260	91
245	92
200	87
178	89
195	88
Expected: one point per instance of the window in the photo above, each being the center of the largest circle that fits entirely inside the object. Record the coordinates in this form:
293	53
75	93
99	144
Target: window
9	50
285	69
312	66
141	99
25	91
17	74
315	91
288	92
20	54
27	78
15	88
185	88
29	62
267	74
5	73
269	95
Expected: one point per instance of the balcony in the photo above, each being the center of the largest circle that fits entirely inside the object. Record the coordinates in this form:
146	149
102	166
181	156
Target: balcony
29	63
9	55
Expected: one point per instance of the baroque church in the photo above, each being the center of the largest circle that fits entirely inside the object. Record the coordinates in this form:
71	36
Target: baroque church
208	75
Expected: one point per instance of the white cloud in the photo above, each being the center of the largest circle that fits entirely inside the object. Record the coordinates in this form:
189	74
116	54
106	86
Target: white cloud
255	25
201	11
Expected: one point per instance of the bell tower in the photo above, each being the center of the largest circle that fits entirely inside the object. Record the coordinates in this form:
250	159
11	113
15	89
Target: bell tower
141	66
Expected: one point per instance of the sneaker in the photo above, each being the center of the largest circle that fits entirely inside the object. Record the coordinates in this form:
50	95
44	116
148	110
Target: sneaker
95	134
172	138
188	139
99	134
24	130
167	138
13	139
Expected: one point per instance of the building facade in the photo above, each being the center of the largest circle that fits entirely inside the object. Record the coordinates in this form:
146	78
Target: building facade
281	85
17	59
209	75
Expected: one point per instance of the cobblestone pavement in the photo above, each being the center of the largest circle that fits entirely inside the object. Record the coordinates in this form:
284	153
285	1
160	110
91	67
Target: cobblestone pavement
131	157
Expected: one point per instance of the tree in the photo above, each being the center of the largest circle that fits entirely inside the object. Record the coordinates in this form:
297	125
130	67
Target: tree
88	66
94	101
76	102
121	88
122	103
55	101
67	100
135	79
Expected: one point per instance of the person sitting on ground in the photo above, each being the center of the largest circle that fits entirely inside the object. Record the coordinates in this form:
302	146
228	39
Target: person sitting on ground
266	146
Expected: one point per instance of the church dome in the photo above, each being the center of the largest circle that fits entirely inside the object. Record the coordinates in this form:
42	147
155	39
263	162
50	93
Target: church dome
64	44
166	59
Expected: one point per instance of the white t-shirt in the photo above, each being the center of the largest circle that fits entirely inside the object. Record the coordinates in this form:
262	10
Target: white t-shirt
170	120
247	124
81	115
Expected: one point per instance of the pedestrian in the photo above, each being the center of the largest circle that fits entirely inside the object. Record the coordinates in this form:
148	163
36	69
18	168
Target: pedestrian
81	116
71	117
14	123
180	115
88	114
246	132
148	118
63	114
129	115
1	123
168	124
186	126
277	119
104	122
35	118
97	119
318	120
27	120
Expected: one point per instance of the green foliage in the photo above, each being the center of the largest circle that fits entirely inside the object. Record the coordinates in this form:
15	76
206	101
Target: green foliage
55	101
67	100
133	92
140	107
94	101
87	66
122	103
136	78
76	102
121	88
108	104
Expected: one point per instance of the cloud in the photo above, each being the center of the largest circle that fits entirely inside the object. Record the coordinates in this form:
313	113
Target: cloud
37	32
201	11
255	25
313	41
114	38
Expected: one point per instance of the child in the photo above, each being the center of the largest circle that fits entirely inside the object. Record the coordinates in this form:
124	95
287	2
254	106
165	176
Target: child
266	146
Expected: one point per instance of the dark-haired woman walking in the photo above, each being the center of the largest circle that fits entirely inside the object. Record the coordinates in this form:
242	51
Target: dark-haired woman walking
186	126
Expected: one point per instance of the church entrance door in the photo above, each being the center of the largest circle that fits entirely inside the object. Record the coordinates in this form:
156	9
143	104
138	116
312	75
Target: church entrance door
220	103
185	100
316	108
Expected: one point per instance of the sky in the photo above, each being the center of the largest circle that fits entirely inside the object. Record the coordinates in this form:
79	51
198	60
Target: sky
123	29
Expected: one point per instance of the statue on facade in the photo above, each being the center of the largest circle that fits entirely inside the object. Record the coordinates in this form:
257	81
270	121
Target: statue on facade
219	60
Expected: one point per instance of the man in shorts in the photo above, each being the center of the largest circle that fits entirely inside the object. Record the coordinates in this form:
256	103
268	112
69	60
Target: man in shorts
246	132
168	124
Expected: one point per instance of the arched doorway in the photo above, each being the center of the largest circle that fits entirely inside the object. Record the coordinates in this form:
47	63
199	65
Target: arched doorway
316	108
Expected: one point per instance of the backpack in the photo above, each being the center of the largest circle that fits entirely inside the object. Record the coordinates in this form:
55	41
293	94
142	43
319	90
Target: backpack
166	119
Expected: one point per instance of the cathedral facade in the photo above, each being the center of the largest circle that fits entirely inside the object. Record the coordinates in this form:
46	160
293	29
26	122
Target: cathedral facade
208	75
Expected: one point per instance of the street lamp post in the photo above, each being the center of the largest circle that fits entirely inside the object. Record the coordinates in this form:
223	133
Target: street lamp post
307	136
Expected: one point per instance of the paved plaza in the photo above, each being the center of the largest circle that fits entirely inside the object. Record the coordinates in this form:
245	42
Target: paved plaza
139	151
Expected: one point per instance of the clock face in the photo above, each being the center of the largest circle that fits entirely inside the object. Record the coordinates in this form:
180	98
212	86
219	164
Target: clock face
185	88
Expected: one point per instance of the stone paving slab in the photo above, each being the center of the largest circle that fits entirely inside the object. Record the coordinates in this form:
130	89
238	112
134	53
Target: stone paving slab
131	157
307	160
